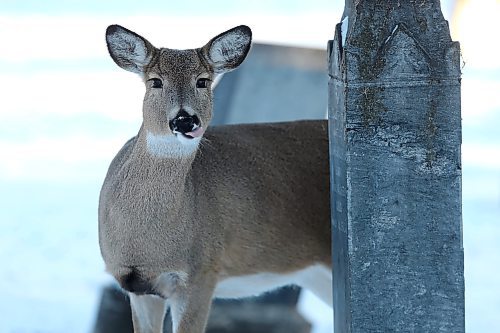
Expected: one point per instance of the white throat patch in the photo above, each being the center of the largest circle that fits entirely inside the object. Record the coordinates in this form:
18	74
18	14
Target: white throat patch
171	146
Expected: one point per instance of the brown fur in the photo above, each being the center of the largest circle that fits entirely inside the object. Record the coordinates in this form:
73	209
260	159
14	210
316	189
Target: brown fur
251	199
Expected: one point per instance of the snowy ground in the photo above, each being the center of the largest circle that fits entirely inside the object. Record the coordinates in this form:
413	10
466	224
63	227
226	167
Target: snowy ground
65	113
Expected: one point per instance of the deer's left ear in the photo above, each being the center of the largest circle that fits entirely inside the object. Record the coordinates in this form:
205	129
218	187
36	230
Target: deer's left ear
227	51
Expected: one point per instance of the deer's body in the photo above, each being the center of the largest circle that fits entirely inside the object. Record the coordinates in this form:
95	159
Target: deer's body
244	211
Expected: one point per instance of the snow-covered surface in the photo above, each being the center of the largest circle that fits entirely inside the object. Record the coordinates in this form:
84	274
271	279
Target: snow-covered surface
316	312
66	109
344	29
51	270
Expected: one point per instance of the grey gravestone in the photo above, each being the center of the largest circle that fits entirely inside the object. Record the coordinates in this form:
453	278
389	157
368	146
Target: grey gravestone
395	138
274	83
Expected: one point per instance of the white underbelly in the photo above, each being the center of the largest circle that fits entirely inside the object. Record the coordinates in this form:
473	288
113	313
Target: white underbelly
317	278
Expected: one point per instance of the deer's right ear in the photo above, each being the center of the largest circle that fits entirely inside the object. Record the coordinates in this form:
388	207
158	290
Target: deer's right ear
129	50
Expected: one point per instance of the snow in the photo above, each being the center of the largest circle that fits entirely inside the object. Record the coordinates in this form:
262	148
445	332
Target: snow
343	29
51	272
315	311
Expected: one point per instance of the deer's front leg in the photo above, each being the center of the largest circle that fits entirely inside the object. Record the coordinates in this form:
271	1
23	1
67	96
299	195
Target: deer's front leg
191	305
148	313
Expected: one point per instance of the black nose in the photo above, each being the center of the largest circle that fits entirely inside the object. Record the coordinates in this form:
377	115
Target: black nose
134	283
184	122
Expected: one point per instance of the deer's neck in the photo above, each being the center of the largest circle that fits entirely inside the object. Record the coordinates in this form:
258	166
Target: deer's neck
164	159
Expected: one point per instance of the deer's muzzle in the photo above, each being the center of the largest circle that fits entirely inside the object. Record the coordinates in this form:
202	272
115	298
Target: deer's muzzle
186	124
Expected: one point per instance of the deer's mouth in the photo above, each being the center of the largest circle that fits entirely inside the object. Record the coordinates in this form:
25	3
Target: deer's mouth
195	133
189	126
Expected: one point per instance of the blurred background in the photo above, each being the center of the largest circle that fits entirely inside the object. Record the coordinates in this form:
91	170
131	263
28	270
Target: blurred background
66	109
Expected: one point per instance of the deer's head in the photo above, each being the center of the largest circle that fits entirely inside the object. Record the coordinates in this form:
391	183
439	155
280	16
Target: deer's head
178	101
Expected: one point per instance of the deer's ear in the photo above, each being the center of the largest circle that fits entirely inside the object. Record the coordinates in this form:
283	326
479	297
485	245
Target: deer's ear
128	50
228	50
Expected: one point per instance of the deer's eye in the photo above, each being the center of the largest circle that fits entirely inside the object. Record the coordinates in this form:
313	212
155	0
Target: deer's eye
156	83
202	83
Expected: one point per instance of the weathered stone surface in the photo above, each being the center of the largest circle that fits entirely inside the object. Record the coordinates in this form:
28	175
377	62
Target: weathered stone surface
395	131
114	313
256	318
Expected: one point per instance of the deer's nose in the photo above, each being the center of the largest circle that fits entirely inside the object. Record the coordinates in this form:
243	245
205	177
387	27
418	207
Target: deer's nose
184	122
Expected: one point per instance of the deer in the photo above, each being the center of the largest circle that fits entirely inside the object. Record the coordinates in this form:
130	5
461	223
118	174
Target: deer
188	212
